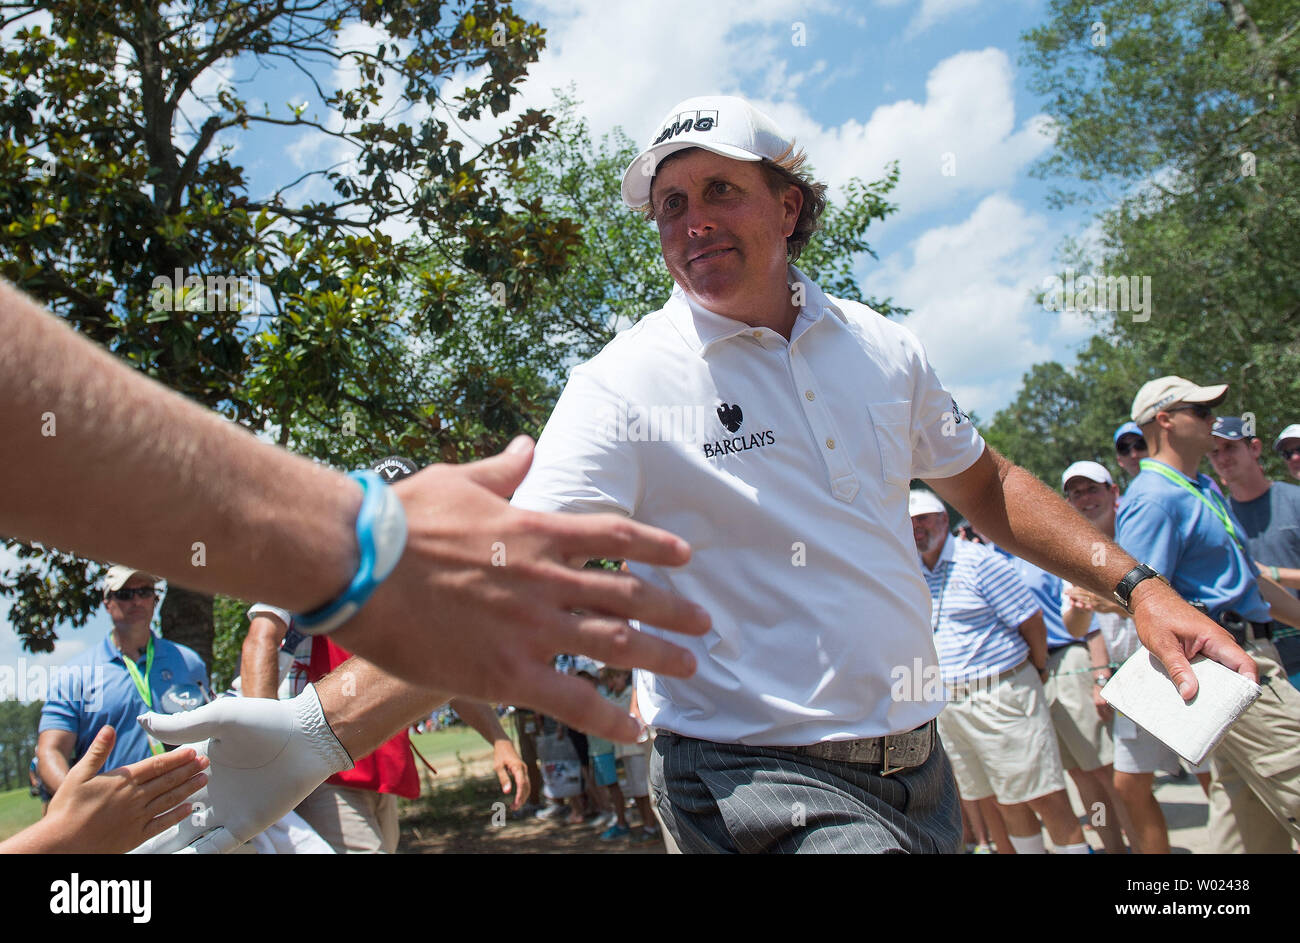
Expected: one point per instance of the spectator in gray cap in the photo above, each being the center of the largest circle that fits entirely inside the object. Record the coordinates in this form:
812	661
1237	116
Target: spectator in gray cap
1269	512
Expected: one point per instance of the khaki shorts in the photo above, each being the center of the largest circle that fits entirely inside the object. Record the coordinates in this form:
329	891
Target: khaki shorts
1255	769
1000	740
352	821
1082	737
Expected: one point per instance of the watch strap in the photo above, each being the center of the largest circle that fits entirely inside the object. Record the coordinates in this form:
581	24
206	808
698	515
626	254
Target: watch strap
1124	590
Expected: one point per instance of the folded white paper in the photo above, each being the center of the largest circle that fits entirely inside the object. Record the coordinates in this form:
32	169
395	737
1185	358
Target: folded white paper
1143	691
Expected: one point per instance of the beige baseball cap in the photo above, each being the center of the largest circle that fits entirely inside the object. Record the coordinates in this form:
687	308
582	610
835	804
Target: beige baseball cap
118	575
1166	391
723	124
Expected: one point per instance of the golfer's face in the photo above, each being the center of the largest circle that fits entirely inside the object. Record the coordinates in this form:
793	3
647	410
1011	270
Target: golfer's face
722	229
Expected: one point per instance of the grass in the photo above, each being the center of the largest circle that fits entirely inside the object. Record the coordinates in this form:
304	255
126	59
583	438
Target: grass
18	809
446	748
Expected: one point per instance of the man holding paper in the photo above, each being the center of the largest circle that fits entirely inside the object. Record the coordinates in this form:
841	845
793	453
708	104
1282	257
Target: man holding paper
1178	524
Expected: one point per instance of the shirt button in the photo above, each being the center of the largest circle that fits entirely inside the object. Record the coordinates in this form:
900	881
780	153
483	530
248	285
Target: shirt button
830	443
758	333
810	395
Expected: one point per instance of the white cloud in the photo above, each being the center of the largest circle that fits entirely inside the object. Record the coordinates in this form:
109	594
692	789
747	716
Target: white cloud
971	288
961	140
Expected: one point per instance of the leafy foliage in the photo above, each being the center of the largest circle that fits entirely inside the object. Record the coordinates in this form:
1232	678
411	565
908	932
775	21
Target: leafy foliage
1186	122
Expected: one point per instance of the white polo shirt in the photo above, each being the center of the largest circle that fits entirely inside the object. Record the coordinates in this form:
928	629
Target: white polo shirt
786	466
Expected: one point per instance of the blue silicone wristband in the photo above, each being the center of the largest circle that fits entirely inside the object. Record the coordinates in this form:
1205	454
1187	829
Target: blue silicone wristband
381	536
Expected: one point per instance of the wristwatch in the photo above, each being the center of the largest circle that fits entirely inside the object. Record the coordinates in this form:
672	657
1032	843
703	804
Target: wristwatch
1124	591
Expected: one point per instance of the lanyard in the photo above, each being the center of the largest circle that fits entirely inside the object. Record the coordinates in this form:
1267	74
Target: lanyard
943	588
141	684
1221	513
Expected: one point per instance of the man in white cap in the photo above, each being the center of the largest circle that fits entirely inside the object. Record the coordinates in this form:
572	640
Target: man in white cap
1181	527
992	646
130	672
1287	445
809	417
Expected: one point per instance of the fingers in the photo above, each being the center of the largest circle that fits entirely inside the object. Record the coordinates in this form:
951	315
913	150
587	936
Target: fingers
615	642
523	788
1228	653
89	765
503	775
160	823
1169	650
188	727
502	474
615	538
621	594
575	703
178	786
149	772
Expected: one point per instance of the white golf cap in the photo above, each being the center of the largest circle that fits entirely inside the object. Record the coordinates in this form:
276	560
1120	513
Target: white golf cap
921	501
1290	432
1093	471
118	576
1166	391
723	124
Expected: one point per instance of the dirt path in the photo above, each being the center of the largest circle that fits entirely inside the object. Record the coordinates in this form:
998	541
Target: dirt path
461	815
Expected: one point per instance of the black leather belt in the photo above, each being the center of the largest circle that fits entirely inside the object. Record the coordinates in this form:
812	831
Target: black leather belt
1240	629
893	752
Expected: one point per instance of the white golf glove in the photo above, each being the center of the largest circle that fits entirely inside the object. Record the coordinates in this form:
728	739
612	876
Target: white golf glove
266	757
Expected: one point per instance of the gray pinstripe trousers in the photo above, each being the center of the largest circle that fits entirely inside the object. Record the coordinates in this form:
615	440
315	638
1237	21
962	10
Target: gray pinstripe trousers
731	798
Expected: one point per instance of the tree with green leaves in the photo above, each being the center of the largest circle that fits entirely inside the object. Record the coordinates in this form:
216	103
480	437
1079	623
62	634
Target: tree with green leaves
123	206
1183	119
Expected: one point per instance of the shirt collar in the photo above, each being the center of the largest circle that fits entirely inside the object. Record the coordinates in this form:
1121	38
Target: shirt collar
109	649
946	555
702	328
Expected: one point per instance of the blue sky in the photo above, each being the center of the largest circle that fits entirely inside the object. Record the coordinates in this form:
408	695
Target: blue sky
934	84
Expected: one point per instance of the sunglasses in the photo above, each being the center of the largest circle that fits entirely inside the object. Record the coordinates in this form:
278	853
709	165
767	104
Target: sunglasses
1289	454
143	592
1127	446
1200	410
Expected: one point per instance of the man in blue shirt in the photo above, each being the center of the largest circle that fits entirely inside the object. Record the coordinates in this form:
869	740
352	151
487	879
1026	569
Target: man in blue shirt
1178	524
131	671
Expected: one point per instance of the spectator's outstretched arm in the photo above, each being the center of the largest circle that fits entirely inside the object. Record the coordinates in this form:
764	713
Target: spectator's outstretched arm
1019	513
116	811
481	600
506	761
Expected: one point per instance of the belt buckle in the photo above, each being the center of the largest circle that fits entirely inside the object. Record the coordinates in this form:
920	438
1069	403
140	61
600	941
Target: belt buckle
885	747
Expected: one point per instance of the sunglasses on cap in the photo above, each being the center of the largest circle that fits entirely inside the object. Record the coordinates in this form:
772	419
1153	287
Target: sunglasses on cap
141	592
1127	446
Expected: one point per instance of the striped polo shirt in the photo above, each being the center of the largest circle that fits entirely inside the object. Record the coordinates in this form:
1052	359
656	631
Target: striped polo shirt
977	603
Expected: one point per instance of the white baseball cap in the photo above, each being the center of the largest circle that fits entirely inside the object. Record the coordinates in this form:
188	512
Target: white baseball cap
1290	432
921	501
1164	392
118	576
1093	471
723	124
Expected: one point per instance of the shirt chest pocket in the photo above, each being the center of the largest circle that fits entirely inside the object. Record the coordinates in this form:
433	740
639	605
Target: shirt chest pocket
892	430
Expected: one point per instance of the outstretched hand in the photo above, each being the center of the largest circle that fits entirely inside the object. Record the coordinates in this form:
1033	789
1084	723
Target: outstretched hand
486	595
1175	633
113	812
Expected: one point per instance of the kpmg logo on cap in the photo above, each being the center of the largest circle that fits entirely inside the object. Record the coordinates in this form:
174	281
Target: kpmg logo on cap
687	121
